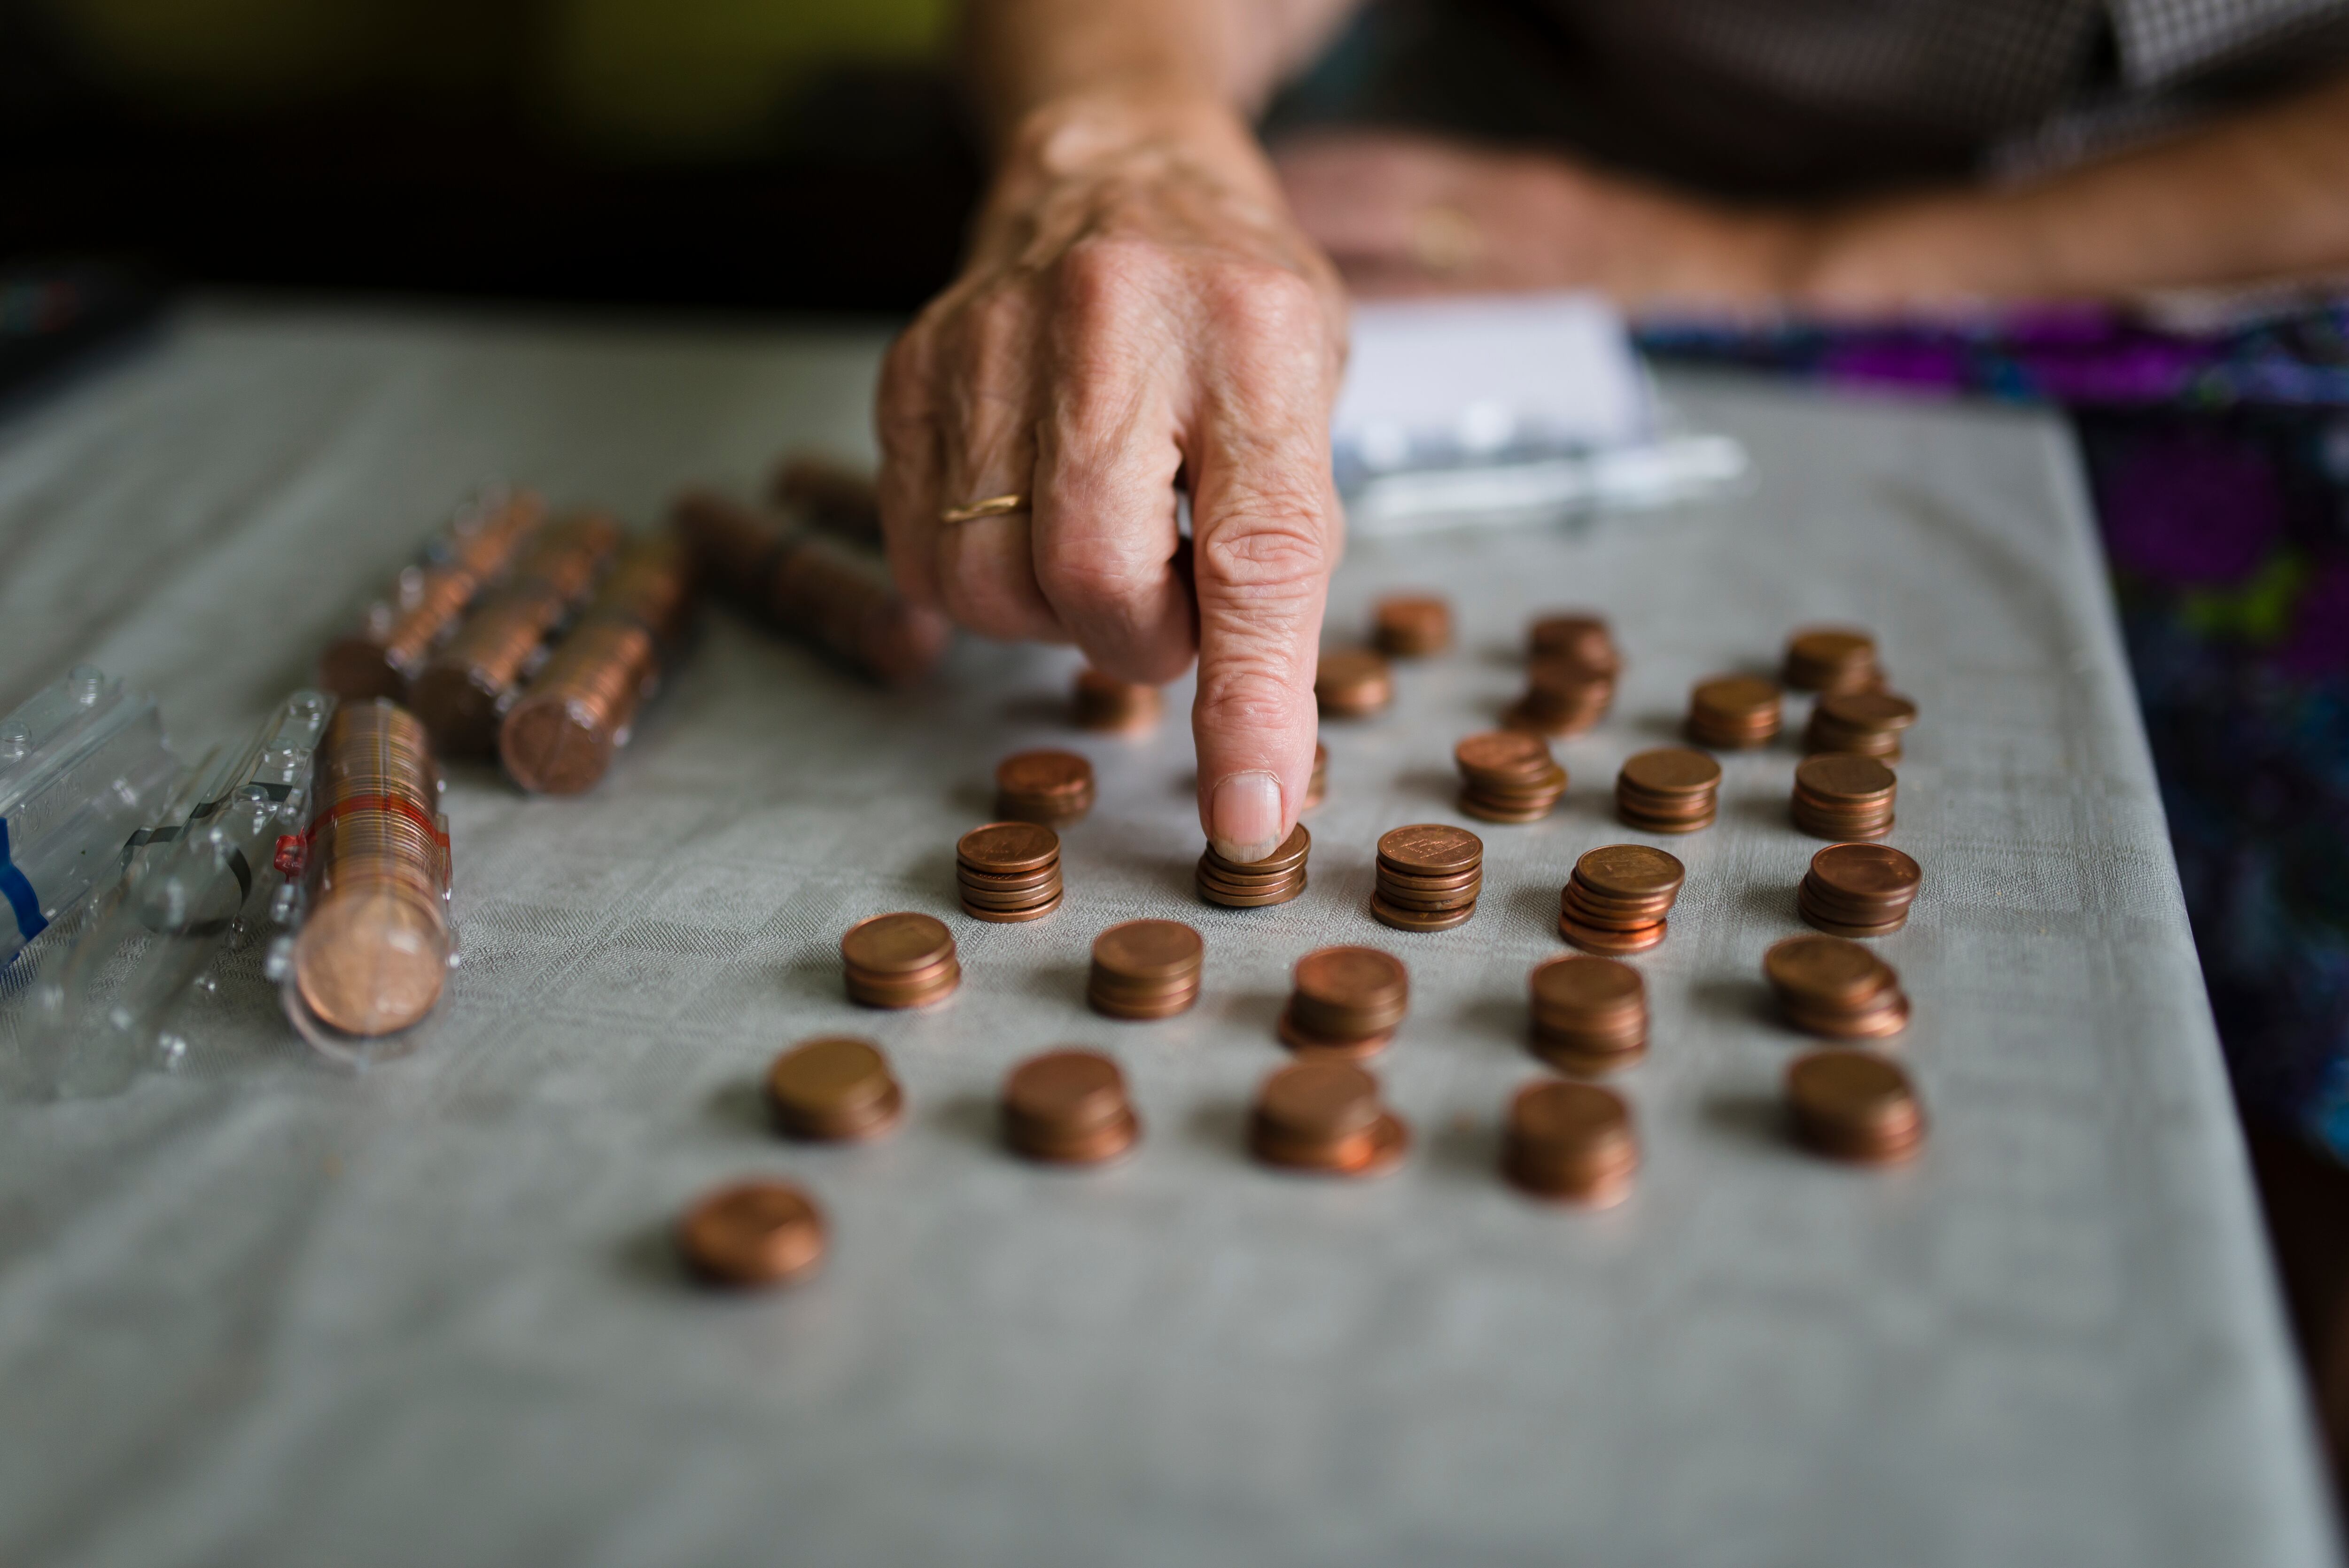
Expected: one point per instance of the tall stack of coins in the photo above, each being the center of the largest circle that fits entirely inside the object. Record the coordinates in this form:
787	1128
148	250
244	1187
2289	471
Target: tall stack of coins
829	494
1009	872
1618	897
1353	684
466	687
903	960
1411	625
1839	796
1866	723
1577	635
1563	696
581	706
1100	702
1590	1014
1856	1106
1859	890
1325	1117
1669	790
1831	660
1732	712
1276	879
1826	986
1053	788
1146	969
1428	877
809	587
1317	788
834	1088
1348	1002
1069	1108
399	632
752	1235
372	956
1570	1141
1508	776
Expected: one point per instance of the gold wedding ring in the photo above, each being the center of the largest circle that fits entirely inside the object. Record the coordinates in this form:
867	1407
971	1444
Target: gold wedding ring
993	506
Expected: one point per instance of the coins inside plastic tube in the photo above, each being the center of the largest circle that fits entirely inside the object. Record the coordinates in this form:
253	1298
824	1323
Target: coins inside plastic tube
1855	1105
1571	1143
1671	790
1054	788
1353	684
1348	1002
399	632
834	1089
1069	1108
1729	712
753	1234
1411	625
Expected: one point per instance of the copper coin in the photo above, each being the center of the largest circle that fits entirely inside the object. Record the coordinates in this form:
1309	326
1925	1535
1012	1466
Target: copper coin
1876	711
1570	1140
1430	849
371	961
1065	1092
1149	950
753	1233
1869	874
1826	971
1319	1102
1855	1105
1035	885
1739	699
1457	881
1352	683
1044	775
1672	770
1413	625
1012	916
1287	858
1631	872
1837	777
1142	1012
1431	902
835	1086
1419	920
1854	911
1504	751
1830	659
1285	892
1008	848
1350	1044
1316	788
896	944
1362	979
1599	939
1103	702
1587	987
1580	637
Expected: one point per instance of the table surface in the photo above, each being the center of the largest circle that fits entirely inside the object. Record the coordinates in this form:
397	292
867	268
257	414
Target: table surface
263	1311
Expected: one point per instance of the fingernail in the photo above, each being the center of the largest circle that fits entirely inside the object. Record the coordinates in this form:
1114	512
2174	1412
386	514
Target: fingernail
1243	817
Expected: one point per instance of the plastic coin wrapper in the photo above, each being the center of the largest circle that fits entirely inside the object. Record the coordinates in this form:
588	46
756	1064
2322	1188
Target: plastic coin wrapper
811	587
560	738
469	684
83	765
371	944
399	632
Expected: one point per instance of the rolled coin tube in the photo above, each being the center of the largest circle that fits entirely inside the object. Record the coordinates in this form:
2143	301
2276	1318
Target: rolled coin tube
388	647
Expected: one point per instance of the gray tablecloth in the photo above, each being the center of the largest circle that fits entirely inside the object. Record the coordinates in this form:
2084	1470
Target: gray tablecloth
265	1312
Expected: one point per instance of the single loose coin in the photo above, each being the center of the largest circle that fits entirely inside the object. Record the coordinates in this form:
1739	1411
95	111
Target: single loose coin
1631	872
753	1233
1855	1105
1430	849
1672	770
1149	949
893	946
833	1086
1008	848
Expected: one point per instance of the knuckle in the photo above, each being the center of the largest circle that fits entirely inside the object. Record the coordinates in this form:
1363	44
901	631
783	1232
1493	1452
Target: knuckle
1244	690
1279	548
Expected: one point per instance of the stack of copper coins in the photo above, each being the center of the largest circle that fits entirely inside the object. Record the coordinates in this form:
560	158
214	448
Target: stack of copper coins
1009	872
829	494
1348	1002
1051	789
475	677
1730	713
1069	1108
835	1088
581	706
372	956
1146	969
1411	625
1570	1141
1428	877
1563	696
1856	1106
1669	790
1590	1014
390	646
1317	788
753	1234
1508	776
1353	684
1276	879
1826	986
1327	1118
1829	659
1616	898
1866	723
899	960
1577	635
1839	796
1103	703
1859	890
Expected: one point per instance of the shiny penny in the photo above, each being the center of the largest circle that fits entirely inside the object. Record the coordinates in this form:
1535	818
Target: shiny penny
896	944
1430	849
1008	848
1631	872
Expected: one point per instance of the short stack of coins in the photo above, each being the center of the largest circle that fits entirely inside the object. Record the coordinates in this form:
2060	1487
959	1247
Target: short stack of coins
1671	790
1563	696
1828	985
1575	635
1103	702
372	955
581	706
1146	969
835	1088
1276	879
1571	1143
1859	890
1839	796
1508	776
1316	788
1616	898
1347	1002
1855	1105
399	633
903	960
1865	723
1730	713
1589	1015
1353	684
1053	788
1069	1108
467	686
1428	877
1009	872
1830	659
1326	1118
753	1235
1411	625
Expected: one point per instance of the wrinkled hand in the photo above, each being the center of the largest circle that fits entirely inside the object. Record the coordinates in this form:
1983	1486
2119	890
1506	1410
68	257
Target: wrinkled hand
1139	316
